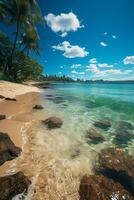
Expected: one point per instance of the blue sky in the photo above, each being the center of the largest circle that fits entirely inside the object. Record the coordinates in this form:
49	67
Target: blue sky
103	30
88	39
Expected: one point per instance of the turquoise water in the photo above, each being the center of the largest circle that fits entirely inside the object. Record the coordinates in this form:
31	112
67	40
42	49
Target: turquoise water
81	105
65	154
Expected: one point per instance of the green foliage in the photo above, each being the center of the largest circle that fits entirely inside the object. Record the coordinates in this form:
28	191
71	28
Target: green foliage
15	62
57	78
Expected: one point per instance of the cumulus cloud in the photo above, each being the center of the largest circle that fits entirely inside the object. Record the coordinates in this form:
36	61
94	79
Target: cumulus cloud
93	60
103	44
105	33
74	72
105	65
82	73
99	73
114	36
129	60
75	66
70	51
63	23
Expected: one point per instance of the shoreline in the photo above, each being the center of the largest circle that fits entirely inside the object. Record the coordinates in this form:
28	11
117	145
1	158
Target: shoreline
18	115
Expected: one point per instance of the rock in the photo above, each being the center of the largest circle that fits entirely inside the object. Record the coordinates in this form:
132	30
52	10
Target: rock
122	137
13	185
42	85
58	100
96	187
115	164
49	95
2	97
8	150
94	135
103	124
38	107
10	99
2	117
125	125
53	122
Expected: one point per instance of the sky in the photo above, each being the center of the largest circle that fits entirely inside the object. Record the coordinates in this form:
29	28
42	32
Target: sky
90	39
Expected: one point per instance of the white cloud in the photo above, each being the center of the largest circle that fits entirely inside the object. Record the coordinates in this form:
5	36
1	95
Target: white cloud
128	60
105	33
100	73
71	51
74	72
75	66
63	23
81	73
114	36
103	44
59	72
104	65
93	60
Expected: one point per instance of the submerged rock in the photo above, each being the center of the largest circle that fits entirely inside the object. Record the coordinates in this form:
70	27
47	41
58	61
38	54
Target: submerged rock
53	122
122	137
2	117
38	107
94	135
10	99
8	150
58	100
42	85
13	185
115	164
49	95
103	124
125	125
123	134
102	188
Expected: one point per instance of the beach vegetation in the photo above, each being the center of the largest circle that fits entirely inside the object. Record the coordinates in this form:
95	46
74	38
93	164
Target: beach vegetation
17	49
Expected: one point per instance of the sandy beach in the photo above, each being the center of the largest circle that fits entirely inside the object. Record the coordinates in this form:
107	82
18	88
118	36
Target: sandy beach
17	112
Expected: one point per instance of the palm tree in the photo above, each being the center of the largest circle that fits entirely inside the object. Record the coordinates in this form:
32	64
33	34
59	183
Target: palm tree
30	40
20	12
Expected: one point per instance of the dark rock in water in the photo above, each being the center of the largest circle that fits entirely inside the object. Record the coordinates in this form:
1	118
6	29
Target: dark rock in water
94	135
2	97
102	188
115	164
125	125
122	137
38	107
8	150
2	117
42	85
49	95
50	98
53	122
13	185
10	99
103	124
59	100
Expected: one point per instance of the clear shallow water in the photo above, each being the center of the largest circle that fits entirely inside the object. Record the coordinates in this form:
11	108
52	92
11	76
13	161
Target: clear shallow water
60	157
81	105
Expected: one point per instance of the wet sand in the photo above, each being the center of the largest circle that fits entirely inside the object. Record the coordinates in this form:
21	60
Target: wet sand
17	114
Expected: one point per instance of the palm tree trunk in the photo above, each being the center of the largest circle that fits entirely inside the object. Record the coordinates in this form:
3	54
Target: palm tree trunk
15	42
10	61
